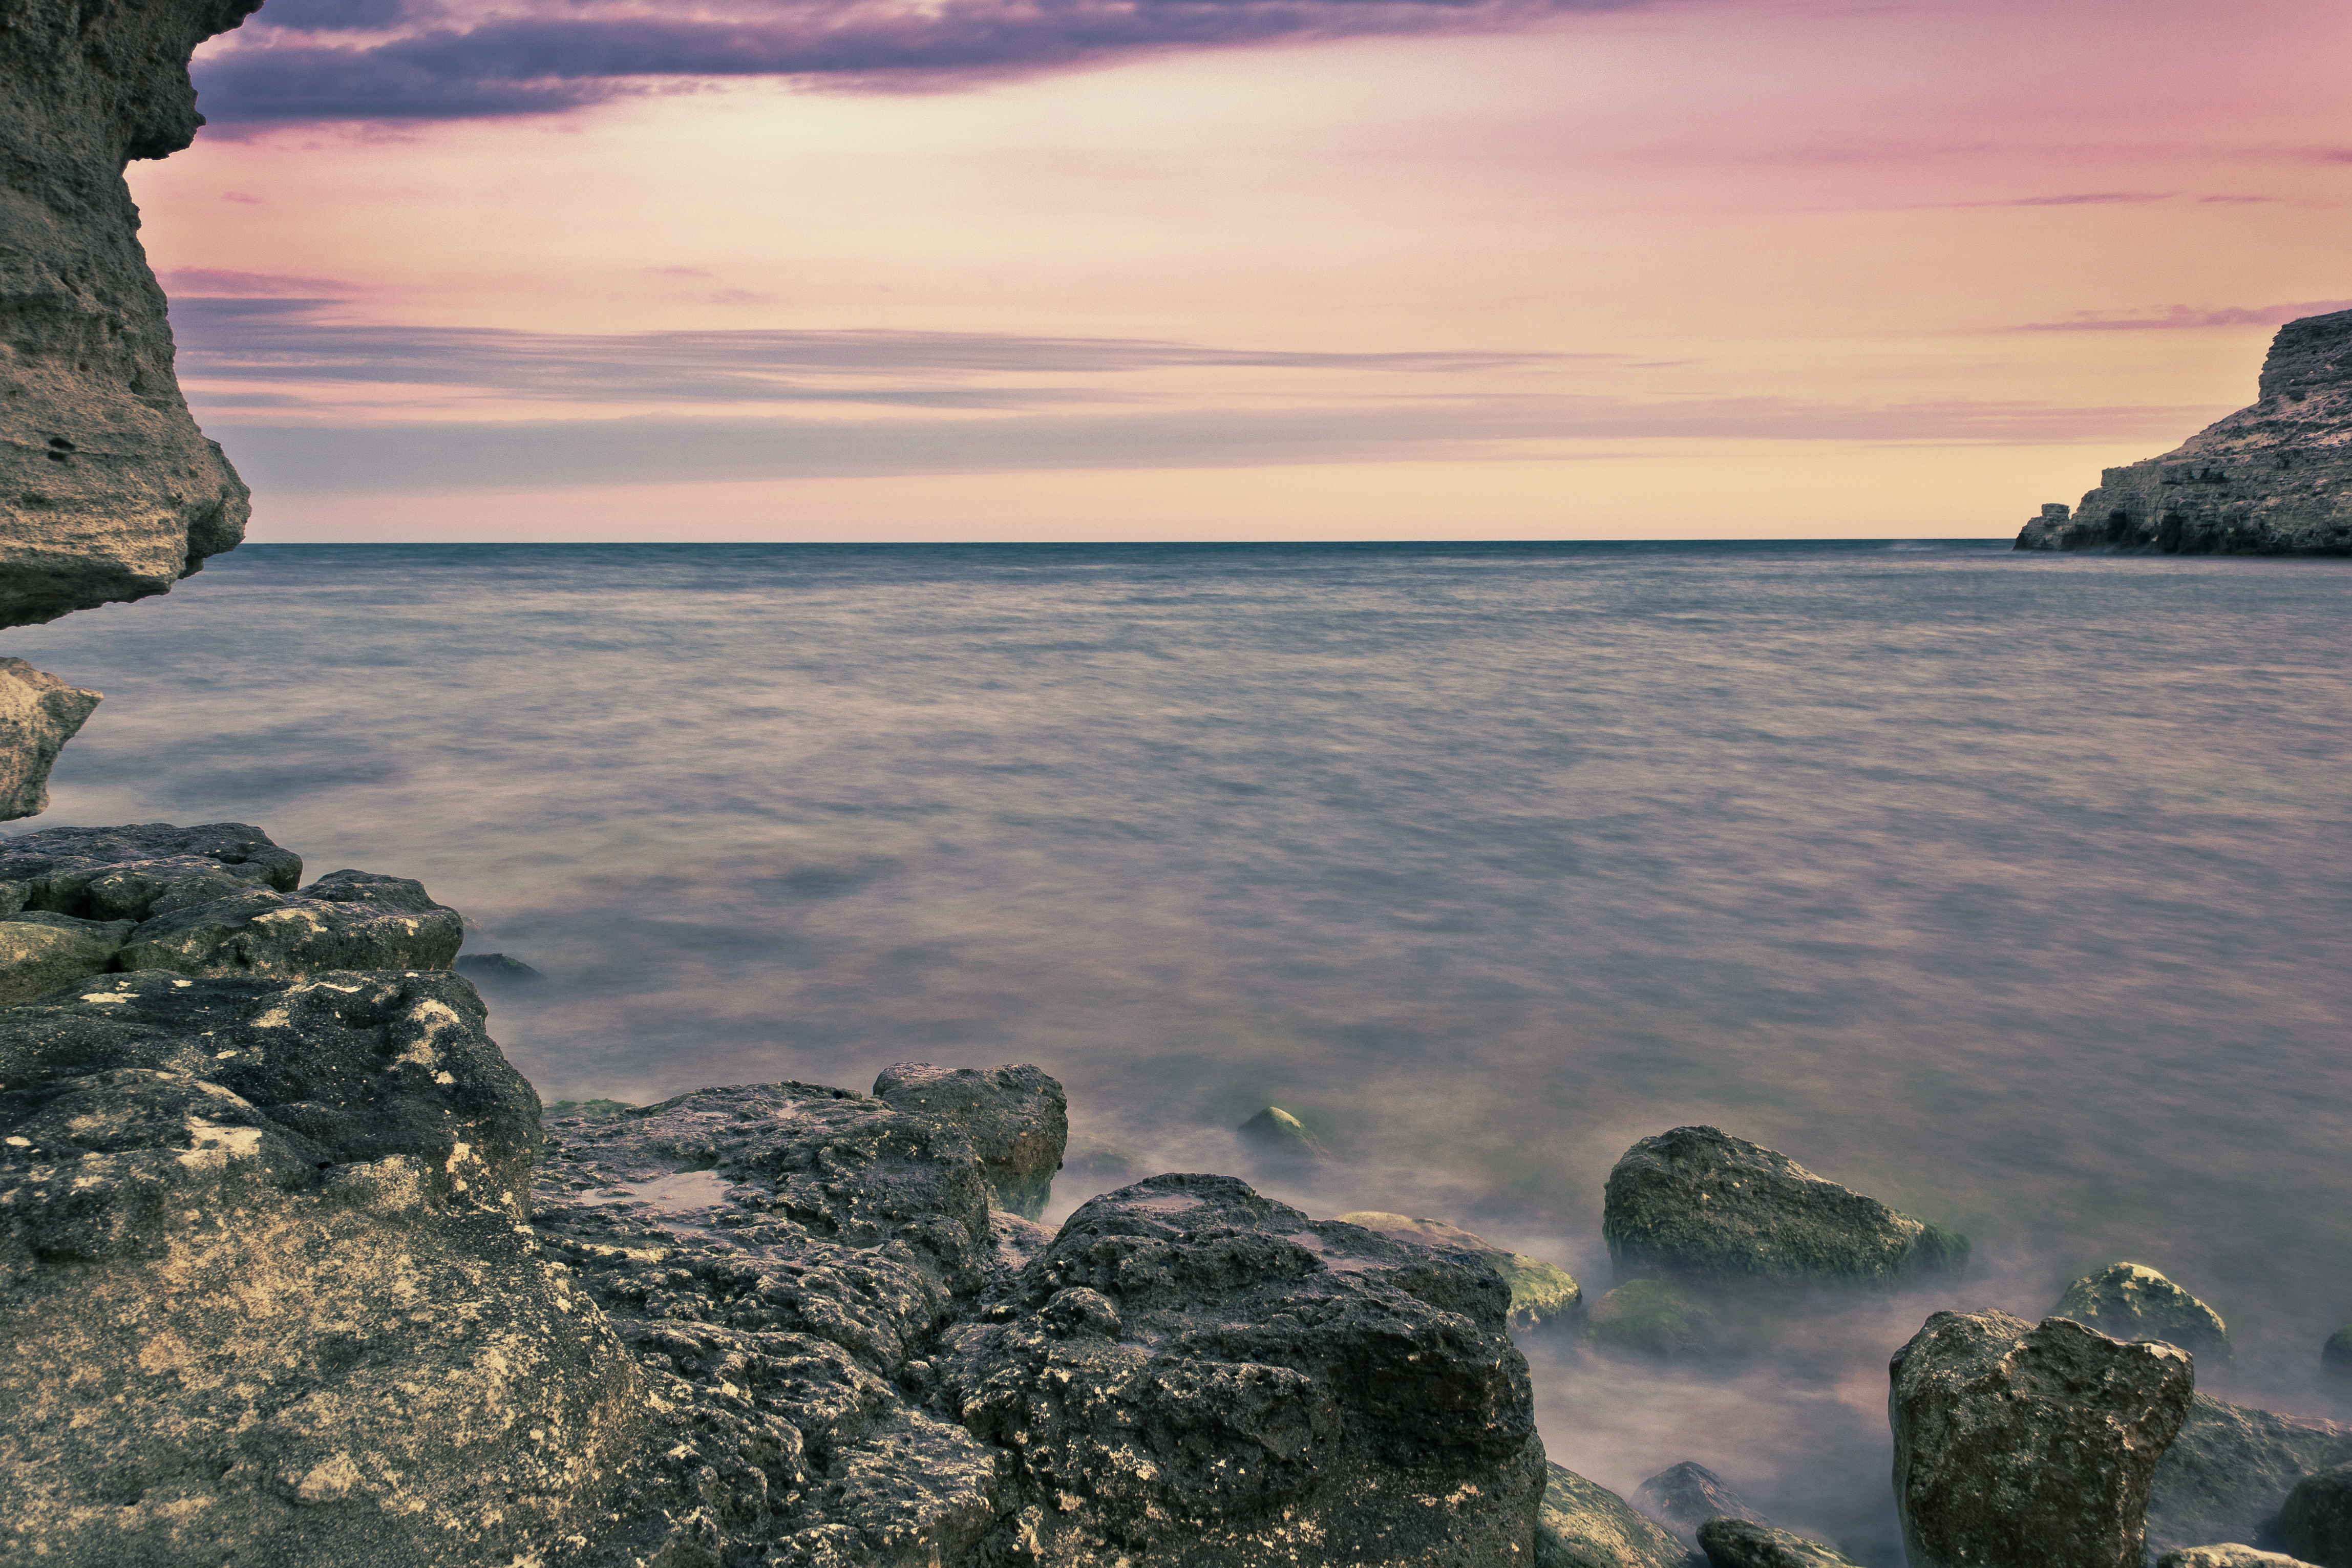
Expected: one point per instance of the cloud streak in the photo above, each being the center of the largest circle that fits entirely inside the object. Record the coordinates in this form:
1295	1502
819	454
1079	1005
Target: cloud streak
2173	317
414	60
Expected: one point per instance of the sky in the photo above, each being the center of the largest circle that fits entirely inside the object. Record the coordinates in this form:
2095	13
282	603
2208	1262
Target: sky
1028	269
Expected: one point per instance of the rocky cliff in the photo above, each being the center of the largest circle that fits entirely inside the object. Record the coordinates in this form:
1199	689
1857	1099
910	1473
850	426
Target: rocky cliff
2273	478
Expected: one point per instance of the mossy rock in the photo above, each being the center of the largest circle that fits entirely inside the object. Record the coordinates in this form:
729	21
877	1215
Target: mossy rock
1540	1292
2133	1301
1585	1525
1651	1317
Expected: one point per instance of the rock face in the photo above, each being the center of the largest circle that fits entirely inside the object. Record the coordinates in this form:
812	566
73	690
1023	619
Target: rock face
2019	1446
2316	1523
2227	1557
2133	1301
1017	1117
1586	1525
1736	1543
266	1289
2269	480
1700	1206
108	491
2230	1470
1192	1375
1686	1496
38	714
1540	1291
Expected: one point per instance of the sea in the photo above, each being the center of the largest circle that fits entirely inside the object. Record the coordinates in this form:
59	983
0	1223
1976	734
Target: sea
2012	888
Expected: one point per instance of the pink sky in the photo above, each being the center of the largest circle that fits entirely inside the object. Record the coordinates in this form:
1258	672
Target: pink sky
1675	270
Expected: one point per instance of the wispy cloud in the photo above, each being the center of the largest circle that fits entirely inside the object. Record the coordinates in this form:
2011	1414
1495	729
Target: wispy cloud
2169	317
414	60
2079	199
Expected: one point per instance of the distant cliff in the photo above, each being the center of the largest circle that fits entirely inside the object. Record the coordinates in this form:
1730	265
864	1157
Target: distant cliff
108	490
2274	478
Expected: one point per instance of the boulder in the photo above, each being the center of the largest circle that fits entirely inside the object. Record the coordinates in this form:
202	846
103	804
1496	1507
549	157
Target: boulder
2019	1446
1586	1525
1275	1133
2315	1522
2272	479
345	920
1652	1318
1684	1497
121	873
2227	1557
38	714
108	490
266	1290
496	969
1017	1117
1736	1543
1699	1206
2335	1357
2229	1469
1540	1291
40	952
2133	1301
1194	1375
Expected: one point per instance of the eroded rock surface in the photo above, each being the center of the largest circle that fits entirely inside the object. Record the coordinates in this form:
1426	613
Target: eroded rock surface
2019	1446
1700	1206
1017	1117
2227	1474
2270	479
2133	1301
38	714
108	490
1586	1525
2315	1522
1737	1543
1540	1292
1686	1496
1192	1375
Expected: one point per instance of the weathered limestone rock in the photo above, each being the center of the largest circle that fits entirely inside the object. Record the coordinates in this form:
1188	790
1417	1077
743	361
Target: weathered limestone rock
42	953
1653	1318
1017	1117
2026	1446
2230	1469
1540	1291
119	873
1194	1375
265	1289
1686	1496
2316	1523
2270	480
38	714
108	491
2133	1301
345	920
1586	1525
2227	1557
1736	1543
1700	1206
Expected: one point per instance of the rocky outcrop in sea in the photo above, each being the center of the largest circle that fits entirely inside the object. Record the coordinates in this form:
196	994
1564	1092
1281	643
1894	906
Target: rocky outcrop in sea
2270	480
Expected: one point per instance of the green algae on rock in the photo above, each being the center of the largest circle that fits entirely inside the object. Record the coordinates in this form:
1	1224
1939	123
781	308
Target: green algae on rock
1540	1292
1585	1525
2133	1301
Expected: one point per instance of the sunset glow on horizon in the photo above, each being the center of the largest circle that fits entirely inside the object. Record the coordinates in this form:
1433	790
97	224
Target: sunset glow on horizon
1683	269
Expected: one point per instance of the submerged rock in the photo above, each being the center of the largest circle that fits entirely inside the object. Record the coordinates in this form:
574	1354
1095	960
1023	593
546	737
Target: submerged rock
1684	1497
1737	1543
2315	1522
1540	1291
2226	1474
496	969
2231	1556
38	714
1698	1204
1651	1316
2335	1357
1276	1133
1017	1117
2269	479
1192	1375
2019	1446
2133	1301
1586	1525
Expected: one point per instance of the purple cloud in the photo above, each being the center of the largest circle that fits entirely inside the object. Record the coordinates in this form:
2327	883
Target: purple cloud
409	59
2176	316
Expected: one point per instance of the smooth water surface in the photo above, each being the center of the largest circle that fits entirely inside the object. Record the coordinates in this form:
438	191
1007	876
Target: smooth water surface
2010	889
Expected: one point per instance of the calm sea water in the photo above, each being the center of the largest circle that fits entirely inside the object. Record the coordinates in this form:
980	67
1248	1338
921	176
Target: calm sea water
2012	890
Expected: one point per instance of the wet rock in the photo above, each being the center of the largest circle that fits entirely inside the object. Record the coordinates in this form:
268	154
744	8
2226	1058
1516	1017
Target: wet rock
1017	1117
2019	1446
1684	1497
1737	1543
121	873
1540	1291
1700	1206
1192	1375
1653	1318
2270	479
1586	1525
2335	1357
40	952
264	1290
496	969
345	920
1278	1134
108	491
2133	1301
2229	1471
2229	1556
779	1259
38	714
2315	1522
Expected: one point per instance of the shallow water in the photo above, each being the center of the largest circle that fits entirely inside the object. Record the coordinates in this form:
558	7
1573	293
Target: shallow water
2012	890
